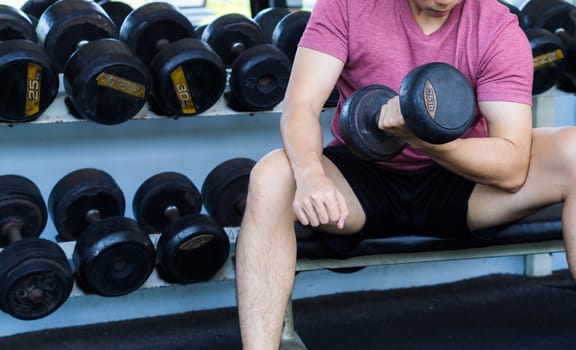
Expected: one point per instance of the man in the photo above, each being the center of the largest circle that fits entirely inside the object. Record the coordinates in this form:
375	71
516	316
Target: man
500	171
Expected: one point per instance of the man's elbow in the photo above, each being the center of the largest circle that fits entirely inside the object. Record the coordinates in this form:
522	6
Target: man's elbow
514	180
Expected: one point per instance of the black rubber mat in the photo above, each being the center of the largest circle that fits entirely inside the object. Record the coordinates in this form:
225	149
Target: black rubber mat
492	312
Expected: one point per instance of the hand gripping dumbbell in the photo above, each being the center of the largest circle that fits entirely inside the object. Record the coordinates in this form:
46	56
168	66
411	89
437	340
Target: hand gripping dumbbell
437	103
112	256
259	72
35	274
556	18
225	189
192	247
187	76
29	78
103	80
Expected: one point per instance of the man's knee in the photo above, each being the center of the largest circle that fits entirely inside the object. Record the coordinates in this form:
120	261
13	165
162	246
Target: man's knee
272	169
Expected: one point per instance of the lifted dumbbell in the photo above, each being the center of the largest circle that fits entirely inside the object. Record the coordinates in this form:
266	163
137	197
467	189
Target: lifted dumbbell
225	189
192	247
437	103
187	76
29	78
103	80
35	275
113	256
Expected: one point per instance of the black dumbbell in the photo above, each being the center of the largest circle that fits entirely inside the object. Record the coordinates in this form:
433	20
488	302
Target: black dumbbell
192	246
259	72
268	18
112	256
29	78
187	76
231	34
437	103
103	80
557	18
289	30
117	10
35	8
549	55
225	189
35	274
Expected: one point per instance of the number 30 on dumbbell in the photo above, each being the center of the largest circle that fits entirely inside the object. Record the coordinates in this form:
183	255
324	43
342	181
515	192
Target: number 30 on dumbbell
436	101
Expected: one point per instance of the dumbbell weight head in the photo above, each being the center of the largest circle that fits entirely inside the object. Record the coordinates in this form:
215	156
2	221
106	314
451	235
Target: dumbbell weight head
259	78
289	30
437	102
231	34
268	18
105	82
35	275
112	255
117	10
225	189
35	8
15	24
549	55
146	29
67	24
79	192
30	79
35	278
192	246
187	78
359	124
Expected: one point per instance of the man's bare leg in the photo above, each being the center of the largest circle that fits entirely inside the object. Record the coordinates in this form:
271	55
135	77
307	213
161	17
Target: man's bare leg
551	179
266	248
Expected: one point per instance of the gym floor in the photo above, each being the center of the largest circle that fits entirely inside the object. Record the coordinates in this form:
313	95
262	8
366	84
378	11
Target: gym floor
488	313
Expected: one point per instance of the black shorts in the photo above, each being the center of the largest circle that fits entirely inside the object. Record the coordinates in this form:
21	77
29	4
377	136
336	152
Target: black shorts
431	202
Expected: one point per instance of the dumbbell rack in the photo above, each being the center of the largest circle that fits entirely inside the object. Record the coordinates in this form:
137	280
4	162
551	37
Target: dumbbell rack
154	281
58	112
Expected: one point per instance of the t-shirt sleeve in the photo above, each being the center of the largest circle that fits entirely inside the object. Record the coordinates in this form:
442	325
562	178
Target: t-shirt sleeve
506	70
327	29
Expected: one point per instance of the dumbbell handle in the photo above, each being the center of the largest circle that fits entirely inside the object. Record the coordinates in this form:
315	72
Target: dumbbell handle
93	215
13	231
172	213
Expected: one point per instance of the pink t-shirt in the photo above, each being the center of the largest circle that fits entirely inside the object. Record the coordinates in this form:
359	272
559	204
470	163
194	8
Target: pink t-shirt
380	42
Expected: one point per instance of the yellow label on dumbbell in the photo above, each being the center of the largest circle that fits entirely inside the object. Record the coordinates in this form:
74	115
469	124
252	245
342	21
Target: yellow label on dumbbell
182	91
547	58
126	86
33	84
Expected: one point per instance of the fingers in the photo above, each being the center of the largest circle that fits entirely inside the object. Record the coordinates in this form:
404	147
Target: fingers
323	210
